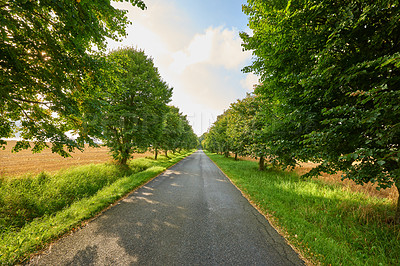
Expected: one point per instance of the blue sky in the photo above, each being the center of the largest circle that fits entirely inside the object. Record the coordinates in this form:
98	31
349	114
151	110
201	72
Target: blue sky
215	13
196	46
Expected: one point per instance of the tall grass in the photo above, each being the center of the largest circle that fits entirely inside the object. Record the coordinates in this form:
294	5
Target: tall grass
35	210
329	224
26	198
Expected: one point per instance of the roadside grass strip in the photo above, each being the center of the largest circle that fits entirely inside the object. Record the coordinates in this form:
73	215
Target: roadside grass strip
328	224
89	197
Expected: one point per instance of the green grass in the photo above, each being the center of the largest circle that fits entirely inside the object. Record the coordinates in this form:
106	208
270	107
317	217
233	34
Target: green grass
36	210
328	224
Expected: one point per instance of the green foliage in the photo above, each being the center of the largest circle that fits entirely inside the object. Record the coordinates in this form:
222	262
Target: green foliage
49	68
244	129
176	132
329	225
189	139
134	108
172	129
333	67
216	139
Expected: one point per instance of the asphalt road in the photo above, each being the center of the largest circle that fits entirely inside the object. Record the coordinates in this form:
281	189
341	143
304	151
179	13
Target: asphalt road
190	215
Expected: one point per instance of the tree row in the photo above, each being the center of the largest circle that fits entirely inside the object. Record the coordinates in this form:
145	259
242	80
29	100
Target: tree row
329	89
58	84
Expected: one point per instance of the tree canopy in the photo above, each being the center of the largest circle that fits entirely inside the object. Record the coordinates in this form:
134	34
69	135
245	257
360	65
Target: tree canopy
134	110
176	132
241	130
49	70
333	69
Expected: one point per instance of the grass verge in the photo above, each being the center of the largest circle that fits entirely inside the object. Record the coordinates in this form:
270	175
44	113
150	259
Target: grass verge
327	223
78	188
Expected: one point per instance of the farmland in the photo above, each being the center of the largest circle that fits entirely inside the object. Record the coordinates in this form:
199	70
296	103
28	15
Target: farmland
24	162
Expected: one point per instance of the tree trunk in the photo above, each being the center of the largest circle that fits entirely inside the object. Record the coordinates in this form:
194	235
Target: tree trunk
261	166
236	156
166	154
227	154
155	153
397	216
123	161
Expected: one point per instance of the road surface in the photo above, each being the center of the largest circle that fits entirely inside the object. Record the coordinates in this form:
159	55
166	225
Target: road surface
189	215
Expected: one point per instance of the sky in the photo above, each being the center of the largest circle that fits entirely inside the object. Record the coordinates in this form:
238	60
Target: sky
196	47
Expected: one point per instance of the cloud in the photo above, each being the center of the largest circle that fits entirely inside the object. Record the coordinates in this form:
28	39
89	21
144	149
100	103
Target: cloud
216	46
199	50
250	81
165	19
209	85
209	68
228	49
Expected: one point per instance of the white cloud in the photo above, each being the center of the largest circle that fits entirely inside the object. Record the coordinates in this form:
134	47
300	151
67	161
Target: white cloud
199	50
208	86
163	18
228	50
250	81
216	46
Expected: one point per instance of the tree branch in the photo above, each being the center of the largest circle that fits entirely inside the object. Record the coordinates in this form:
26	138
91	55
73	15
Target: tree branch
29	101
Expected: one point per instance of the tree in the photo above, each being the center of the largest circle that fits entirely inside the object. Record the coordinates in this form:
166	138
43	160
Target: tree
133	115
156	144
188	139
175	134
49	68
334	68
217	139
246	128
241	130
210	142
201	140
173	127
235	133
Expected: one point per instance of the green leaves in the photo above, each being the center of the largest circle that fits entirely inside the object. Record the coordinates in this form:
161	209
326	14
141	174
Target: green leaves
333	66
50	71
134	103
176	133
336	51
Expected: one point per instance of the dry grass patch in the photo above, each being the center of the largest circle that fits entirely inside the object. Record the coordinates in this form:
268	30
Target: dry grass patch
368	189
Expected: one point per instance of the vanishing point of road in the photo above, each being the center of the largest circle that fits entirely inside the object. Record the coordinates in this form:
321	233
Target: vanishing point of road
189	215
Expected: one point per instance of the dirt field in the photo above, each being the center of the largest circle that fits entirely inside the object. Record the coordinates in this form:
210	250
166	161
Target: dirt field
23	162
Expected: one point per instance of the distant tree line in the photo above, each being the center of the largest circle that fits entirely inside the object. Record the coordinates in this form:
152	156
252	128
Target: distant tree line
329	90
57	81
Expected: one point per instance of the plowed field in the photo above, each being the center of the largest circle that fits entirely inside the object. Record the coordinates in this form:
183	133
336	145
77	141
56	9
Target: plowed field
13	164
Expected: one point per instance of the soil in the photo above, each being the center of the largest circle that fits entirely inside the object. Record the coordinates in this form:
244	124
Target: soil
26	162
